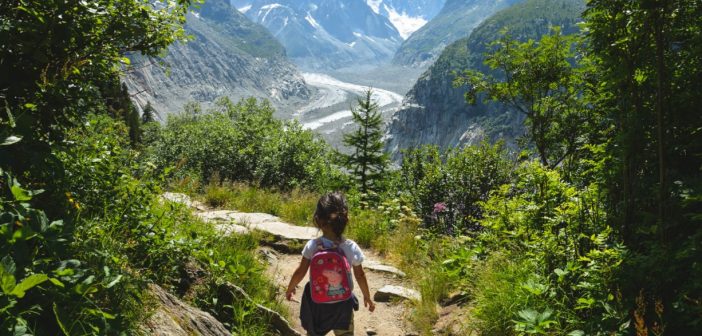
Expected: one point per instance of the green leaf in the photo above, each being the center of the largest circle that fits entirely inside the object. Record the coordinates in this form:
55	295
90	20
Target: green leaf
20	194
114	282
57	282
58	320
28	283
7	282
11	140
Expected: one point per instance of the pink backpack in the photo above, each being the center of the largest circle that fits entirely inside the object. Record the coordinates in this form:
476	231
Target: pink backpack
330	275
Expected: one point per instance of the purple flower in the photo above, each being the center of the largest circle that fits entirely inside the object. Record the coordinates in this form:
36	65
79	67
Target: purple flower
439	207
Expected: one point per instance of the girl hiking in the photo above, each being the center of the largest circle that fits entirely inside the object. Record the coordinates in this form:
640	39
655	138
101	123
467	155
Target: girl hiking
327	301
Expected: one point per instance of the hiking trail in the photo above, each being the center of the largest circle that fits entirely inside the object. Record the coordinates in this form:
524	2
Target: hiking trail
283	256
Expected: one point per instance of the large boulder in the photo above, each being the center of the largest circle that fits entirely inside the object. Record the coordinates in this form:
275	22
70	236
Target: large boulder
173	317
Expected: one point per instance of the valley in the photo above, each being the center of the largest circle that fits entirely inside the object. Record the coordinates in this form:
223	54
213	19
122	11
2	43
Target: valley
328	111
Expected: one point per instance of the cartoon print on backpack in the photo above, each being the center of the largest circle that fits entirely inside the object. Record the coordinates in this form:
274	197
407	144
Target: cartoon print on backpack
334	276
330	275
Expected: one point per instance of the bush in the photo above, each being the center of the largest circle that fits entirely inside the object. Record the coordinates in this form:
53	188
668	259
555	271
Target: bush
243	142
553	263
446	189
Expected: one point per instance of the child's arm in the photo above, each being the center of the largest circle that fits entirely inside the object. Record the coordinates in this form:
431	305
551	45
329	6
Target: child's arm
297	276
360	276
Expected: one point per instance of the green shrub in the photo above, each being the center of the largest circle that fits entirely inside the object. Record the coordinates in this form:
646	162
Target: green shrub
497	295
564	260
446	188
243	143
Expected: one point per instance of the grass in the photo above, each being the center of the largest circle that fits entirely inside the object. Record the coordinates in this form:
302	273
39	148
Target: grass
295	207
222	259
390	229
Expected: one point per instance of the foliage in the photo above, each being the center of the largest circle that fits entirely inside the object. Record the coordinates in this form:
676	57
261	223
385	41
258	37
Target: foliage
148	114
371	226
367	163
142	240
296	206
243	143
56	58
445	189
552	263
648	56
538	80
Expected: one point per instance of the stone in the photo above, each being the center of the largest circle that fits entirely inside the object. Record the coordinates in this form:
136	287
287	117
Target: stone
378	267
371	332
389	292
411	333
229	228
184	200
240	222
173	317
275	226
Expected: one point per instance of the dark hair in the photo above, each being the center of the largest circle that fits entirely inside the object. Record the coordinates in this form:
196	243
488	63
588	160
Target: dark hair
332	210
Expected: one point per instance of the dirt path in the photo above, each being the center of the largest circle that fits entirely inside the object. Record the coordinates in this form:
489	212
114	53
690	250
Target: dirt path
387	319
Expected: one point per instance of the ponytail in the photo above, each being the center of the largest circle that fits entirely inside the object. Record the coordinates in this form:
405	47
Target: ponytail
333	210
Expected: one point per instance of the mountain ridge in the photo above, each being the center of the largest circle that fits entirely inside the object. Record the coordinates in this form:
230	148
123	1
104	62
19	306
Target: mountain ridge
456	20
435	112
229	56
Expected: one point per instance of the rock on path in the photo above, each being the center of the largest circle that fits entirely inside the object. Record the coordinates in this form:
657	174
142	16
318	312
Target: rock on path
389	292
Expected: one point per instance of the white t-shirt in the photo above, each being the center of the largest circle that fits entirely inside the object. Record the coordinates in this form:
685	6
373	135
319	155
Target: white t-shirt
353	253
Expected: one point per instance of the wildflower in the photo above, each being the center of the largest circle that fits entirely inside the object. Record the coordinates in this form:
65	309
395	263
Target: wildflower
439	207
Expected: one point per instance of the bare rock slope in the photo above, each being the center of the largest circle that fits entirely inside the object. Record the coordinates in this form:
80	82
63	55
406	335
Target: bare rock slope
228	56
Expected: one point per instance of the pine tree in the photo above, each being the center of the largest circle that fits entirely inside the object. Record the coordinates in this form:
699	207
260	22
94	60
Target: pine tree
368	162
149	114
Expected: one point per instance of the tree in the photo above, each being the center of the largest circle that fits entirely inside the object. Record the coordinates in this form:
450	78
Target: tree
57	55
537	79
148	114
368	162
649	57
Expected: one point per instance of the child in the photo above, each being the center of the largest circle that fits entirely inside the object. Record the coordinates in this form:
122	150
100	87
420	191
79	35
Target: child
331	217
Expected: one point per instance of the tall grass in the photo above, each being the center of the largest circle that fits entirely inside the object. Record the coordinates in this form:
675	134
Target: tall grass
295	207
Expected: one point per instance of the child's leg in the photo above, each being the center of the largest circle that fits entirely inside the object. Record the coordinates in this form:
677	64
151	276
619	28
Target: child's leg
345	332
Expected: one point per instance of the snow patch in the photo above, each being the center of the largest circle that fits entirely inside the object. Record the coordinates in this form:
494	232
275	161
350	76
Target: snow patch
312	21
244	9
404	23
267	9
374	5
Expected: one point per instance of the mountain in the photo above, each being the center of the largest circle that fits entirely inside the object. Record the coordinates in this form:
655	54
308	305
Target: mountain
434	112
229	56
455	21
327	33
407	15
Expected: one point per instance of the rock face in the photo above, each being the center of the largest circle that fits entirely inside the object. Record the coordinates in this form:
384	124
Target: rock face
455	21
229	56
435	112
327	33
175	318
389	292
